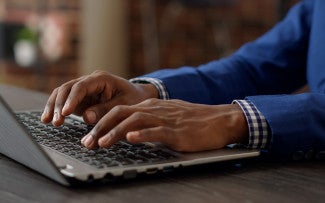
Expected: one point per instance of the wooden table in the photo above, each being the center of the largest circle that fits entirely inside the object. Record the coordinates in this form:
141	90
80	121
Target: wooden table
252	180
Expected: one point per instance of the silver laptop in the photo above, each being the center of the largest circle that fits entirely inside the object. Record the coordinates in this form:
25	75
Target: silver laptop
56	152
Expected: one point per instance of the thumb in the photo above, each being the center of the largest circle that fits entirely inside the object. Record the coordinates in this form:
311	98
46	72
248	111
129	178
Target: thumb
94	113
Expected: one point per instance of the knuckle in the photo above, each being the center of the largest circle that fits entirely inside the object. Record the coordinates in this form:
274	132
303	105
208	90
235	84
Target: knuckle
151	101
162	129
56	90
139	119
65	86
80	85
118	109
164	132
138	116
61	89
98	73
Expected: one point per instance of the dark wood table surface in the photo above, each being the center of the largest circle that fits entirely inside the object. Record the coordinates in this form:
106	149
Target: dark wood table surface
254	180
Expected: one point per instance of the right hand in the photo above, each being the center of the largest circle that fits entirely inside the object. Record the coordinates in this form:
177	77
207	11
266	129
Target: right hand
92	96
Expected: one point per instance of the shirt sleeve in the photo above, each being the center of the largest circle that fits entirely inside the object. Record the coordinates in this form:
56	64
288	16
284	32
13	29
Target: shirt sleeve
162	91
259	130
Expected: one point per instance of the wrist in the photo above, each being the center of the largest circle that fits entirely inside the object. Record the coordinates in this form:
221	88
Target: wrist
239	125
150	90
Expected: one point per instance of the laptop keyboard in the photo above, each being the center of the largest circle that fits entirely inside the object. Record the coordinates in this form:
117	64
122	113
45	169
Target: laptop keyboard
66	139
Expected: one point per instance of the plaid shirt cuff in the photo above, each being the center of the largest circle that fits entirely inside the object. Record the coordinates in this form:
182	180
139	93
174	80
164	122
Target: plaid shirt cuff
259	131
163	94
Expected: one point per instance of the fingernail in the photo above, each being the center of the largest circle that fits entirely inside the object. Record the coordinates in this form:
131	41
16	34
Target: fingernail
89	140
83	139
55	120
64	109
66	106
91	116
44	114
56	116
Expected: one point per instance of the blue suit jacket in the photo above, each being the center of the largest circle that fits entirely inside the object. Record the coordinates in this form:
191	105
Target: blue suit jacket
266	71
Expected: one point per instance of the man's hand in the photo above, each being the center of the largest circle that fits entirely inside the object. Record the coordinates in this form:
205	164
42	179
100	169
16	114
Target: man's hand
92	96
178	124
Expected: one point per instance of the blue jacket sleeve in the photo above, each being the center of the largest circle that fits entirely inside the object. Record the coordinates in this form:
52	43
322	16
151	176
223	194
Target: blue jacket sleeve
275	64
296	122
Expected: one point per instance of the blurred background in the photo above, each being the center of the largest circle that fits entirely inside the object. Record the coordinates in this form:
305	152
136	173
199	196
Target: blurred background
44	43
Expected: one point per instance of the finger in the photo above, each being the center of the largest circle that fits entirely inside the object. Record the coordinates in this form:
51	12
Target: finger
62	94
89	141
94	113
155	134
104	125
67	111
92	85
48	112
137	120
47	115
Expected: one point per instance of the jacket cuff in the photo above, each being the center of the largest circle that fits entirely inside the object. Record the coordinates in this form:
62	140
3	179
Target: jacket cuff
259	131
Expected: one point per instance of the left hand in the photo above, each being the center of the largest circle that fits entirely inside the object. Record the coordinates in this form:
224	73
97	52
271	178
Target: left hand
180	125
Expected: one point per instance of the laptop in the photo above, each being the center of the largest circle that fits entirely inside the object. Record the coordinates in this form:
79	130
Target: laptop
56	152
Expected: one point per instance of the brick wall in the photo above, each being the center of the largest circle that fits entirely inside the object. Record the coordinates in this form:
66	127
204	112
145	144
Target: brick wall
178	33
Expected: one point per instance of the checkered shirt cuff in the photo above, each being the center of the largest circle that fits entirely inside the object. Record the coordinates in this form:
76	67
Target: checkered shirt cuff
162	91
259	131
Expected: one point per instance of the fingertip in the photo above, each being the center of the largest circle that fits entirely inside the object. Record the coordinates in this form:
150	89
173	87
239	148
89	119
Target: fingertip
89	142
57	123
105	141
58	119
82	141
45	117
66	110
